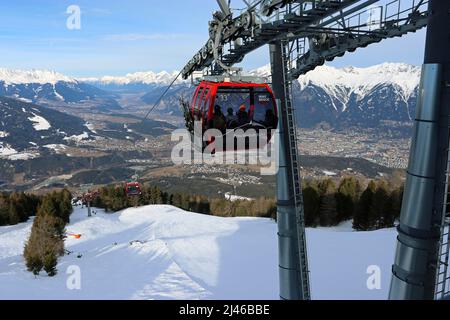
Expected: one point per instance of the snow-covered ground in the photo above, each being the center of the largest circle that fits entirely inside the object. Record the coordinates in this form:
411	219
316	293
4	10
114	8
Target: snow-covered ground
78	138
56	147
40	123
161	252
234	197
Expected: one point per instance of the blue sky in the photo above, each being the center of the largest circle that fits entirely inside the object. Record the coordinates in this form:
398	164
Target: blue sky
118	37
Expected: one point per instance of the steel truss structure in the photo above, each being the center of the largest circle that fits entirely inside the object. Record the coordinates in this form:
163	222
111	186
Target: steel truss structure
317	31
304	34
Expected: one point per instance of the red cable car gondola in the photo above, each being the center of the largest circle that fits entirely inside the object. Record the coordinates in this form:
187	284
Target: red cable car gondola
133	189
231	105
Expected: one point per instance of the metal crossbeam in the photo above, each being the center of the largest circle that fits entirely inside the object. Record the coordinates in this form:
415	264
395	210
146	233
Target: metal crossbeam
327	28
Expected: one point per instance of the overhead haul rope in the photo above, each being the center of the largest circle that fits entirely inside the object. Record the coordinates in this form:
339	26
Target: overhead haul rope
153	108
162	96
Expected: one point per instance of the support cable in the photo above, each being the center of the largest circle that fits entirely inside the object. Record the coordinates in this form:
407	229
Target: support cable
161	97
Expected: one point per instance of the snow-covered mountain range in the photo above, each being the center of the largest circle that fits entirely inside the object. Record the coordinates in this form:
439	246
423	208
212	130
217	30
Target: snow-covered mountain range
143	78
10	76
51	88
355	96
341	84
340	97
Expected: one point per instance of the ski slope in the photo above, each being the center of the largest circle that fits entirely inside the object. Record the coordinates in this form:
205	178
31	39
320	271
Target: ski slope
161	252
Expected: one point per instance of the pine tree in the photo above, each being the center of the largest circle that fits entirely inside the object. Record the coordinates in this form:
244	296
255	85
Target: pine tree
395	206
311	200
32	259
48	206
177	200
4	211
65	205
158	197
49	263
381	205
46	241
328	212
165	198
347	197
14	217
365	217
18	207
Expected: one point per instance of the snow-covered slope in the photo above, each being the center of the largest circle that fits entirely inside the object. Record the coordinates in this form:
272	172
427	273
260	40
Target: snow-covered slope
160	252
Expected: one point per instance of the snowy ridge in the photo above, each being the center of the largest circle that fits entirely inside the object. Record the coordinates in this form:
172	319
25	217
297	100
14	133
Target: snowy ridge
150	77
26	129
39	123
47	87
11	76
341	84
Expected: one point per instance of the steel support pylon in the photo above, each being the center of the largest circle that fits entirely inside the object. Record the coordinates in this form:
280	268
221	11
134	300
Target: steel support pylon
293	260
424	208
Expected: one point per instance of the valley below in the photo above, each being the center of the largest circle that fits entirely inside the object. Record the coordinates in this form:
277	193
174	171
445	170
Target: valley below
86	133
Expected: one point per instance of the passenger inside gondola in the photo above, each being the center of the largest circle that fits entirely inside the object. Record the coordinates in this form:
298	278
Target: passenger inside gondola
232	120
235	106
264	114
219	121
270	120
242	116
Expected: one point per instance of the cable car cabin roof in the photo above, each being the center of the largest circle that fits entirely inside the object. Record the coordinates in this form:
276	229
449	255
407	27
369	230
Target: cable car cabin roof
204	97
244	80
233	84
133	184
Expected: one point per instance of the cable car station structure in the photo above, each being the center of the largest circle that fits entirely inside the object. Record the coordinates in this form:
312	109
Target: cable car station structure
304	34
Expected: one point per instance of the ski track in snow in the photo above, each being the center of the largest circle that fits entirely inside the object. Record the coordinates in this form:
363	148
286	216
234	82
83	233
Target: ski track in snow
161	252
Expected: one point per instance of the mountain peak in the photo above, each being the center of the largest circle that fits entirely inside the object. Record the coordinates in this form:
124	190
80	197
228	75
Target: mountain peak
16	76
360	81
143	77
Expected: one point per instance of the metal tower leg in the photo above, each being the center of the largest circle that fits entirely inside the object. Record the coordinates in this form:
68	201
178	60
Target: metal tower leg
293	260
422	219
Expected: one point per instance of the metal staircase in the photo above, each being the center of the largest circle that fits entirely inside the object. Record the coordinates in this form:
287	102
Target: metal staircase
296	179
443	276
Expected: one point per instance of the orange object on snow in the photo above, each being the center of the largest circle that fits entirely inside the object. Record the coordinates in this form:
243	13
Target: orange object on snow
75	236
